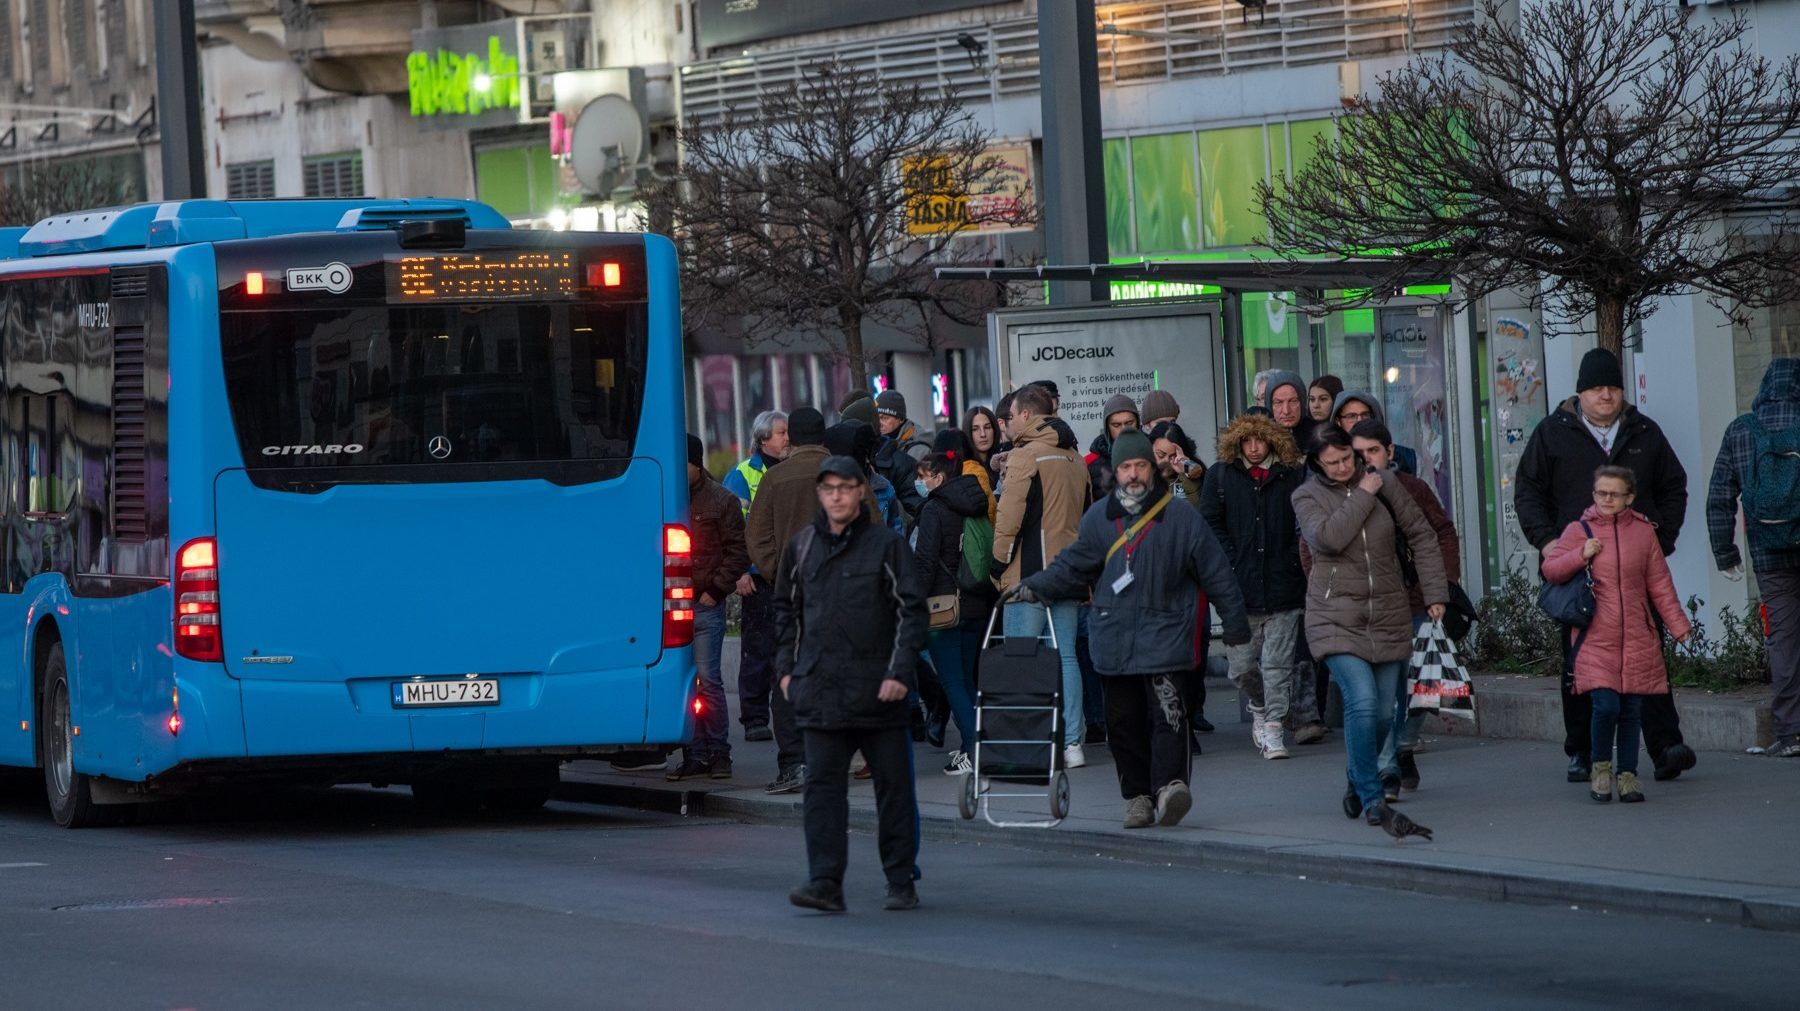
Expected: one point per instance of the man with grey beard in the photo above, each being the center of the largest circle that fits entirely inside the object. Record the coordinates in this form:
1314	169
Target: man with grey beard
1145	564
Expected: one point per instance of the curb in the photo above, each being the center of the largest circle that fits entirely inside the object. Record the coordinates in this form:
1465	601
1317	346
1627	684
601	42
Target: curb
1721	902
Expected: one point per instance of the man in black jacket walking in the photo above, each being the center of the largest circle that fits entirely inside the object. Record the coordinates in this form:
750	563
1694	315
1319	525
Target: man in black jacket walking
1554	484
850	622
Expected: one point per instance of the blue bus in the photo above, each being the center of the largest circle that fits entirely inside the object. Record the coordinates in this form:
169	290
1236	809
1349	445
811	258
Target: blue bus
337	492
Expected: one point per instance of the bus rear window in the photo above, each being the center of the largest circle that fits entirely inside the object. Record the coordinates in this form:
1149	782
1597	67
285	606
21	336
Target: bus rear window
438	392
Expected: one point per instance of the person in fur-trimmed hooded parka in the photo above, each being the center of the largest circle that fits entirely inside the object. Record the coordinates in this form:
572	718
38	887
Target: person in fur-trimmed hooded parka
1247	498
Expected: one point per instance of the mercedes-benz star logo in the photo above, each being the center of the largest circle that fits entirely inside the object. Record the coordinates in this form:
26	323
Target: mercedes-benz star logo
438	447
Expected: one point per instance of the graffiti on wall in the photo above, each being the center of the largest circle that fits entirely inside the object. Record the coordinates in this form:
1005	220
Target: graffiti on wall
1519	402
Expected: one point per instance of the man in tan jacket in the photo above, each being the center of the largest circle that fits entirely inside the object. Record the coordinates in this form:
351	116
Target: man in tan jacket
1045	491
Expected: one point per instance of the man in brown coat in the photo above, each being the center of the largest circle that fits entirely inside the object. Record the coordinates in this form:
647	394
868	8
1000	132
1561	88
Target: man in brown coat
1044	492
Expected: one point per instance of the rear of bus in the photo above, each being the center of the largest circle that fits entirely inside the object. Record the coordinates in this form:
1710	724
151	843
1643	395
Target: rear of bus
445	526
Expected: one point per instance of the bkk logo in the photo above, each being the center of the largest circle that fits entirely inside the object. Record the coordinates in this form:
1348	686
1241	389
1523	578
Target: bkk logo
1059	354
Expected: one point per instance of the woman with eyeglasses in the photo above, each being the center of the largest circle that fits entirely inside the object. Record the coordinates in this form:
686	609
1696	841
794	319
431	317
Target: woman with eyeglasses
1618	657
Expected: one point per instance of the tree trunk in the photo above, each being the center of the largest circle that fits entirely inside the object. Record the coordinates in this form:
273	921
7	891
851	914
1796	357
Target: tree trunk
853	350
1609	322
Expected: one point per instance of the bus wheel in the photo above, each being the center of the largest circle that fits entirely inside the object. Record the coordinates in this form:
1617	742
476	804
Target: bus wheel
71	801
445	798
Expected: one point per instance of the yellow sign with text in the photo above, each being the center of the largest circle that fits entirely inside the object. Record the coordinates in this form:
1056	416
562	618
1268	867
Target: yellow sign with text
937	201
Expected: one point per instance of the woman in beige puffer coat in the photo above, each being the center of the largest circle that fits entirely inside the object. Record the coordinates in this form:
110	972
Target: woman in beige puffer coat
1358	618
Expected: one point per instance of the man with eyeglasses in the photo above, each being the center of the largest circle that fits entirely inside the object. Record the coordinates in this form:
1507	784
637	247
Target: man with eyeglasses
1353	407
1552	487
851	620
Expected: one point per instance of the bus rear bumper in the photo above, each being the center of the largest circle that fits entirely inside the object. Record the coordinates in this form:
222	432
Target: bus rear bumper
641	706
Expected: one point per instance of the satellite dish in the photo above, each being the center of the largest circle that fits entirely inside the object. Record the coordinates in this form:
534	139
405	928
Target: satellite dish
607	143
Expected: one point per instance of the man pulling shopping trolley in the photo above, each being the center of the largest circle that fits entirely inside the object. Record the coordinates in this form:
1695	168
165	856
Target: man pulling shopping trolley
1145	563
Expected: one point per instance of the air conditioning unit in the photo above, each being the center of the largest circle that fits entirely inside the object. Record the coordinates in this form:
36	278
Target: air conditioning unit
549	54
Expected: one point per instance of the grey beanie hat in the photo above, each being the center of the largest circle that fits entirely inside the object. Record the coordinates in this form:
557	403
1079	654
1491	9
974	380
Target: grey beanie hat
1278	379
1119	403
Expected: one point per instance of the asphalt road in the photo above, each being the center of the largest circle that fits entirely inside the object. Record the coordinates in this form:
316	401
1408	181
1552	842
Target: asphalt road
347	898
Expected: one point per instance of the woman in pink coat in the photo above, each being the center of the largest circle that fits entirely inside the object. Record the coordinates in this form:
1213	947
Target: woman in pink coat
1620	658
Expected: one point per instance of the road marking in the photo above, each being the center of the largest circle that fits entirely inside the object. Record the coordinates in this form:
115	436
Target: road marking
9	866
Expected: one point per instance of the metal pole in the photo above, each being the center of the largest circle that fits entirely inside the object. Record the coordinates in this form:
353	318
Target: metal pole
178	101
1074	173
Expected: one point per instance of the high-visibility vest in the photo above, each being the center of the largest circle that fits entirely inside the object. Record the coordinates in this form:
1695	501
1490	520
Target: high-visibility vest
752	478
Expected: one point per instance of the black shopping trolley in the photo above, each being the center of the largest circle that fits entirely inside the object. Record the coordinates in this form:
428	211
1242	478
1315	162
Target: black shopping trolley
1018	726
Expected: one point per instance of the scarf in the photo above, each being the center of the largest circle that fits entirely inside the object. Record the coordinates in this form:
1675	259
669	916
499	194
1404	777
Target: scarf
1133	504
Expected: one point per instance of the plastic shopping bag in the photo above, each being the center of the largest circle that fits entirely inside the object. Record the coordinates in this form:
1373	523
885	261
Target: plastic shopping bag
1437	681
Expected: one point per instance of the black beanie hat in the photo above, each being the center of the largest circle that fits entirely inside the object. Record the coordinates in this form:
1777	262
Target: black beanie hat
806	426
696	451
1599	367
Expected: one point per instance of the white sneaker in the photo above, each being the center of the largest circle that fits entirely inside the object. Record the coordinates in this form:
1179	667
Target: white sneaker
959	763
1272	742
1074	757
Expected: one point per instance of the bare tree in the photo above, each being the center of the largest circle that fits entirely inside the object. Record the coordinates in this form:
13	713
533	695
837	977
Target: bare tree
43	189
825	209
1600	153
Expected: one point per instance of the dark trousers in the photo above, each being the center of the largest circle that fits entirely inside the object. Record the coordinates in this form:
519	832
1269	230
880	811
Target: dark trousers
1193	685
790	748
1147	731
1093	702
888	751
756	668
1781	595
1662	725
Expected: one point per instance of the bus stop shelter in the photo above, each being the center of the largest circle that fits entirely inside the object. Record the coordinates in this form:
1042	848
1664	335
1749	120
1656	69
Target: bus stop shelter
1227	281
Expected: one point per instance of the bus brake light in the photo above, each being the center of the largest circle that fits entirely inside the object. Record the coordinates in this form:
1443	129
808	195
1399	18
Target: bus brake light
198	635
605	275
678	587
253	283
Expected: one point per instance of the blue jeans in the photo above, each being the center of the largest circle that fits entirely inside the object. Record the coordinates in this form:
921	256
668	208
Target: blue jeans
1407	726
955	663
1028	620
710	739
1621	715
1371	697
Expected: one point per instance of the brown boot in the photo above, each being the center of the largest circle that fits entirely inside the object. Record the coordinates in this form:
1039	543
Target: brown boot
1629	790
1600	782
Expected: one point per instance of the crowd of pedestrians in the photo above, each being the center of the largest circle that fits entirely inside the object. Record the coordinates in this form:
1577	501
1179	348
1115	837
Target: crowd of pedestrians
871	556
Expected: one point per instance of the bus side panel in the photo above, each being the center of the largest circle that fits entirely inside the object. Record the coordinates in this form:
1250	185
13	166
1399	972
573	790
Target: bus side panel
18	735
663	434
211	702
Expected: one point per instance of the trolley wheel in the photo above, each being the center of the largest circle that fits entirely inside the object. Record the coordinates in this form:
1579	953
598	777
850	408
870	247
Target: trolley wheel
965	798
1059	796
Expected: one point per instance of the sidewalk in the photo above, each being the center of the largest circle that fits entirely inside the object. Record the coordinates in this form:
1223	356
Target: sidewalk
1716	844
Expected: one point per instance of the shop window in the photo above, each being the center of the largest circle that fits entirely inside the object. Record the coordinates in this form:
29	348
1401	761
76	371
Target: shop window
250	180
1763	336
518	181
1116	155
1165	192
333	175
1233	161
1271	335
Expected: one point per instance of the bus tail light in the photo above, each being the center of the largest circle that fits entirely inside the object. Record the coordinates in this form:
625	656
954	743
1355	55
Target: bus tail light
198	634
678	587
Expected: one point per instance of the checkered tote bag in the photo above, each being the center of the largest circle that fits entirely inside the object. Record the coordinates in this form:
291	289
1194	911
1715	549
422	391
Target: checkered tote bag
1437	681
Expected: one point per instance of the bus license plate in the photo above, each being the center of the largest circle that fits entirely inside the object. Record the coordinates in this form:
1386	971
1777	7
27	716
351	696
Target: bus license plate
464	692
